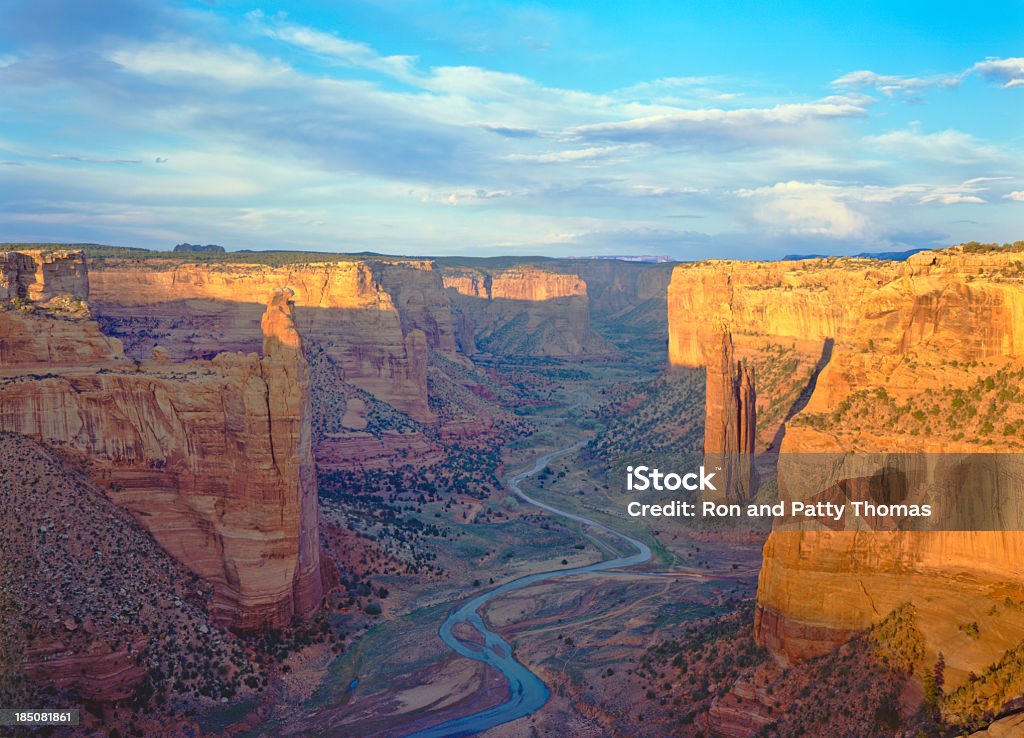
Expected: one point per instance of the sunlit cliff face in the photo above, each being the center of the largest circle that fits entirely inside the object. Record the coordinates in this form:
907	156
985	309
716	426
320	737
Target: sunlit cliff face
927	357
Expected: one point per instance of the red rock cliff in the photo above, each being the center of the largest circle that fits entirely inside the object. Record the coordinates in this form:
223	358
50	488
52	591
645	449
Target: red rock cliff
43	275
927	357
524	311
196	311
212	457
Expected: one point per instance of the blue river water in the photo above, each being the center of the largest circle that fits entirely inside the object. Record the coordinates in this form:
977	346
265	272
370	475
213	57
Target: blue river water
527	692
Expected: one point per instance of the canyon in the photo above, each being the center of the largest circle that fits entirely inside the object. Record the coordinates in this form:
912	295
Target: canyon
188	394
210	398
376	318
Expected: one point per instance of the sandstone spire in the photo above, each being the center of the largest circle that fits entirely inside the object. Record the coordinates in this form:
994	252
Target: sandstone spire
730	416
286	373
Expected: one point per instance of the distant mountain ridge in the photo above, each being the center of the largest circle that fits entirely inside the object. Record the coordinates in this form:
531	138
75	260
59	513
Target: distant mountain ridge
883	255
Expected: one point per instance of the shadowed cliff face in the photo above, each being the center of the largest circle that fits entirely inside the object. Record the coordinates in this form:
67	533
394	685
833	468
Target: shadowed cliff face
625	291
423	304
924	353
213	457
197	311
523	311
42	275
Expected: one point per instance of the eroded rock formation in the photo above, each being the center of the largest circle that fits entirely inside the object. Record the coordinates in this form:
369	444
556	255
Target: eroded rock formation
290	413
524	311
731	418
212	457
196	311
926	358
41	276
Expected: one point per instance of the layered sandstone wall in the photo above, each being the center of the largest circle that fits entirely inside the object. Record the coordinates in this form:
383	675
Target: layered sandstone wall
797	302
212	457
523	311
417	290
621	290
196	311
897	342
43	275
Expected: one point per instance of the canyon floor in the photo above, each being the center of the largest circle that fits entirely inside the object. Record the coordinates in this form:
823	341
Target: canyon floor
581	634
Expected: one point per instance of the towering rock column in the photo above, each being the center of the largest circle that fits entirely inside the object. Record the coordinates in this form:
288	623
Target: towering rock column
286	373
416	351
730	417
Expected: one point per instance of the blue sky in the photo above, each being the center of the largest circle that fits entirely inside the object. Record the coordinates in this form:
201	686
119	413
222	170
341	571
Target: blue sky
696	129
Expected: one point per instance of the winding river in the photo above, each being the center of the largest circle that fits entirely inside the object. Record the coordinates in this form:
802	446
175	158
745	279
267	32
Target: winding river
527	693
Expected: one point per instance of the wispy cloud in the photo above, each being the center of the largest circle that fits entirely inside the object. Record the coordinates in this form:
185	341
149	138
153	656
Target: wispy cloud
190	61
575	155
948	147
736	127
94	160
331	46
1009	72
892	85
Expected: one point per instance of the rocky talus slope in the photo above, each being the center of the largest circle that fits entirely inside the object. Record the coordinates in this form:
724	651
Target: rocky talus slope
91	607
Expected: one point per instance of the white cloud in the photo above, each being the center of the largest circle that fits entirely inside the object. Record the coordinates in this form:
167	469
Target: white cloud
1009	71
232	65
806	208
949	146
892	85
351	53
1017	195
743	126
844	211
